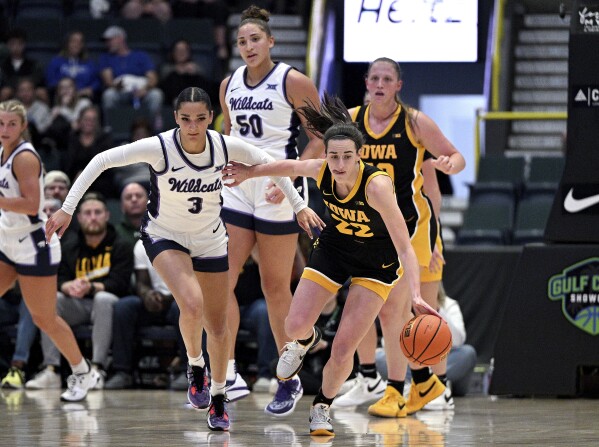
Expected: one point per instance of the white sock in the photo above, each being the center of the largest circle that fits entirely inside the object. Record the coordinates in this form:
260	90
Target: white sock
217	388
81	368
196	361
231	370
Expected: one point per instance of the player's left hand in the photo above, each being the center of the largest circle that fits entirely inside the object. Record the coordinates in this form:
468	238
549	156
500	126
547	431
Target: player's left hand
58	222
443	163
235	173
274	193
310	221
421	307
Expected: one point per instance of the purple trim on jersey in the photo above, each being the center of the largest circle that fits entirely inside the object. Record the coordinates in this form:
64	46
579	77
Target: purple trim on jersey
237	218
163	146
284	86
211	265
228	83
225	150
154	195
249	222
245	72
42	266
291	146
189	163
12	154
33	219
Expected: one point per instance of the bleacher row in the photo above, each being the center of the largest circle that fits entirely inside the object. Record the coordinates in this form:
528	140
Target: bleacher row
511	200
45	36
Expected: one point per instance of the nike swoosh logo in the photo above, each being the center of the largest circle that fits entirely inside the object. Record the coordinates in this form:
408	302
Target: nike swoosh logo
236	88
427	391
22	239
387	265
177	169
216	229
447	397
401	406
371	388
573	205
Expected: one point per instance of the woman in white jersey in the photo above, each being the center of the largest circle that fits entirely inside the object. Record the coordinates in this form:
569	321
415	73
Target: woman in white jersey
259	103
183	234
24	254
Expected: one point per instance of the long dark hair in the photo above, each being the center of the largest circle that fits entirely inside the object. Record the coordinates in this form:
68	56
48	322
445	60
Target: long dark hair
193	94
331	121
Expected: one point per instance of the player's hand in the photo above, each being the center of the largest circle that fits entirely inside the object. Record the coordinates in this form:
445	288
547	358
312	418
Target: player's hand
235	173
310	222
59	222
274	193
443	164
421	307
437	261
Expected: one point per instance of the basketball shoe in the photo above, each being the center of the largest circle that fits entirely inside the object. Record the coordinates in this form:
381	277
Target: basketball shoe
443	402
47	378
391	405
320	421
237	388
288	394
292	359
198	392
423	393
15	379
365	390
79	384
218	419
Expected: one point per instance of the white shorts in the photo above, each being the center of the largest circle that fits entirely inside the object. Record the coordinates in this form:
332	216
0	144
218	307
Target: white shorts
208	252
245	206
29	253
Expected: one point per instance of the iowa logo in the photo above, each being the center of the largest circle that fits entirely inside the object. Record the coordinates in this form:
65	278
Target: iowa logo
578	289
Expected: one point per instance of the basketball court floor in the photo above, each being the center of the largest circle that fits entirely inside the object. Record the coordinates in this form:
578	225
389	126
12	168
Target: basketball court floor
162	418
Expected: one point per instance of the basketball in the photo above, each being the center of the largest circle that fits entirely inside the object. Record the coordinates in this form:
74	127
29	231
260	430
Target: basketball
425	339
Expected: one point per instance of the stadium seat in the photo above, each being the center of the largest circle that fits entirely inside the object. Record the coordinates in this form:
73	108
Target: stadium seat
531	219
199	32
39	8
42	32
486	224
544	177
498	176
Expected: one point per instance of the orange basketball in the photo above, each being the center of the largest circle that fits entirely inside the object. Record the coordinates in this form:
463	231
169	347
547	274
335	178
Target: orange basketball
425	339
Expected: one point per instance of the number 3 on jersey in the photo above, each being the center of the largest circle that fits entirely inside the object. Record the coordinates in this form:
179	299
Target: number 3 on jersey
252	123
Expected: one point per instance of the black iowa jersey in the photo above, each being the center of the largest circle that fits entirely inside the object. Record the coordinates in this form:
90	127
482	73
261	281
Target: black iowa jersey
352	216
396	151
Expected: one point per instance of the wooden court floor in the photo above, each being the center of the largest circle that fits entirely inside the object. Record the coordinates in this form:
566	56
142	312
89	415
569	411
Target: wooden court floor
162	418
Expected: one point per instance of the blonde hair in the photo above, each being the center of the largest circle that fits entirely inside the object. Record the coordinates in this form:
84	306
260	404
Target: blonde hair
15	106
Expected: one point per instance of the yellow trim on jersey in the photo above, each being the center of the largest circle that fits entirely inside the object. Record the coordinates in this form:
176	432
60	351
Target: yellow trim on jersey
355	114
389	126
354	189
373	175
321	173
321	280
380	288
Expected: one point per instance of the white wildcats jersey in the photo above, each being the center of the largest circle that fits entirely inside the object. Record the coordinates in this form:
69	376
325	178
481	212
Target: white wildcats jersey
262	115
9	187
183	190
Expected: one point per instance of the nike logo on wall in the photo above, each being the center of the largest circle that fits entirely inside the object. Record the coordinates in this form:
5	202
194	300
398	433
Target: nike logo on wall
173	169
573	205
427	391
371	388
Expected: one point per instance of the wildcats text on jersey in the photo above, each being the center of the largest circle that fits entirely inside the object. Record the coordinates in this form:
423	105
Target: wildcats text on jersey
248	103
194	185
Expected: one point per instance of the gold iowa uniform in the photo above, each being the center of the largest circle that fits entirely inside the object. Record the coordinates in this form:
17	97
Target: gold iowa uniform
396	151
356	243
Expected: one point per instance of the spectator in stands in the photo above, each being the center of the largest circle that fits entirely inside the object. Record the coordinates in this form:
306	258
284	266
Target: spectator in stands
56	185
218	11
461	359
129	76
38	112
180	71
17	65
134	200
84	143
65	112
73	62
94	272
136	9
51	206
153	305
14	311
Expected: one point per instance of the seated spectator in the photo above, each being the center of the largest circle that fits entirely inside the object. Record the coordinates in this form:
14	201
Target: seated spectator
65	112
129	76
14	311
94	272
462	357
153	305
84	144
134	200
181	71
218	11
73	62
136	9
137	172
17	65
56	185
51	206
38	112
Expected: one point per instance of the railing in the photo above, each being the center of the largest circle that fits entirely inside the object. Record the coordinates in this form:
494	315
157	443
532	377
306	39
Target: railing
496	64
510	116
